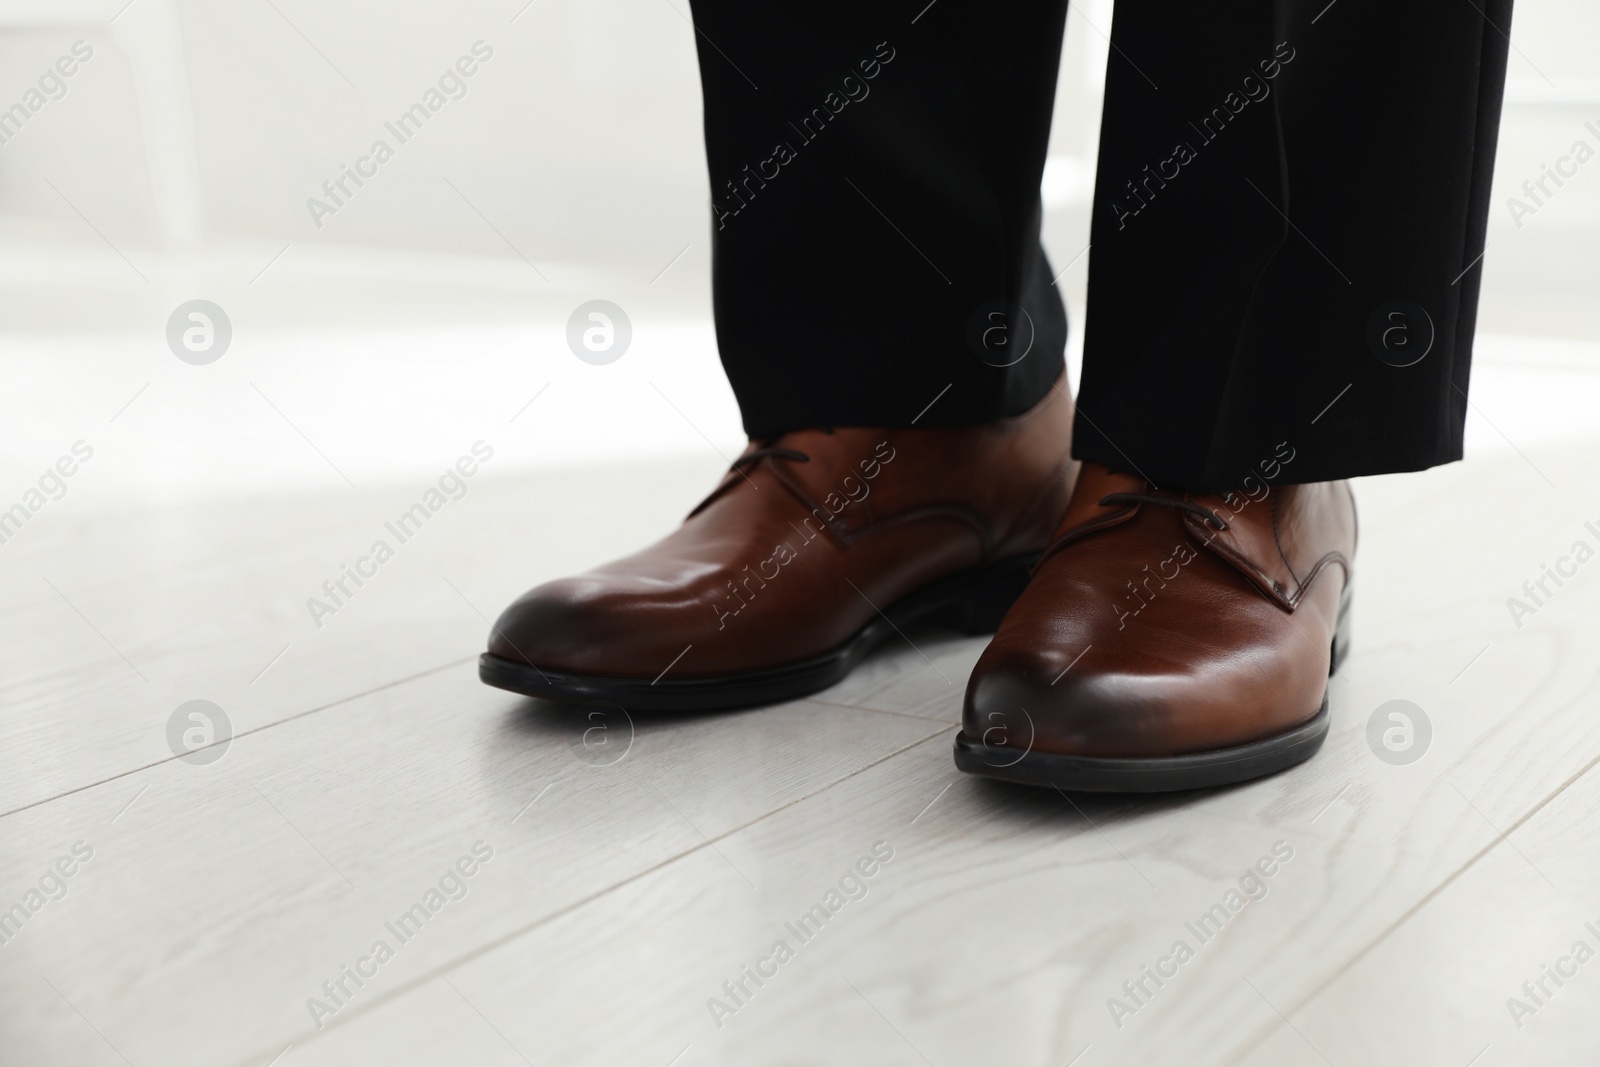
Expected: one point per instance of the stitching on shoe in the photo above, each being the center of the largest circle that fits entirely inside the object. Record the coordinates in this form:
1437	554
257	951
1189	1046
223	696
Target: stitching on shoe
1076	533
1332	557
1288	566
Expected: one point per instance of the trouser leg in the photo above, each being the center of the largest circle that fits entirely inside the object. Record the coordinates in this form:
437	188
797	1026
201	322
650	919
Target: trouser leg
1291	199
876	213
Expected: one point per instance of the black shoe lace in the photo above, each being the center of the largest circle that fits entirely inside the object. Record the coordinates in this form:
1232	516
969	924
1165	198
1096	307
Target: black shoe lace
756	455
1167	500
761	452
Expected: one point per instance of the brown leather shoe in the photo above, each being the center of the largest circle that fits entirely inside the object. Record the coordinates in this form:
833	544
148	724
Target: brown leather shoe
1168	640
815	548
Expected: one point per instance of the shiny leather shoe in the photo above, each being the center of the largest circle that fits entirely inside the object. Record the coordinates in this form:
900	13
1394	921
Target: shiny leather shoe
1168	640
815	548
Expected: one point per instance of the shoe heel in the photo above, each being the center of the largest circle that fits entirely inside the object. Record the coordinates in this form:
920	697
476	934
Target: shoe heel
1341	633
978	606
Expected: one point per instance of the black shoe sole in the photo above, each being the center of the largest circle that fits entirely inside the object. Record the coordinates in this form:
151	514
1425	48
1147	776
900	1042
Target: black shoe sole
972	601
1197	770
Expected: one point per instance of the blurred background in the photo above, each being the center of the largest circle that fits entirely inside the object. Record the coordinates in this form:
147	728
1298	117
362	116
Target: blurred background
431	306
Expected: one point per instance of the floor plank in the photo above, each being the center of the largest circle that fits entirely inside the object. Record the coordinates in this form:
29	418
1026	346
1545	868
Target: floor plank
622	896
209	601
253	878
1439	988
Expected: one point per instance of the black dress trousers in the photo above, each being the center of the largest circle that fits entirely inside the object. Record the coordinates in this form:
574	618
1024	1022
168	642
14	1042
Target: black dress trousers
1289	218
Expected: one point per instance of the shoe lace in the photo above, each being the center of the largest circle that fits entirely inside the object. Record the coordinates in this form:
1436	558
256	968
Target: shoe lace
1167	500
766	450
756	455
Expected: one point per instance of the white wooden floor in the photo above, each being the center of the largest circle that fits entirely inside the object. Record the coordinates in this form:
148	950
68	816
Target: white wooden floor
622	894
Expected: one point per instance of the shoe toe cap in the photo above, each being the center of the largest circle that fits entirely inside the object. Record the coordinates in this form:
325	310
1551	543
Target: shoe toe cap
571	623
1046	702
